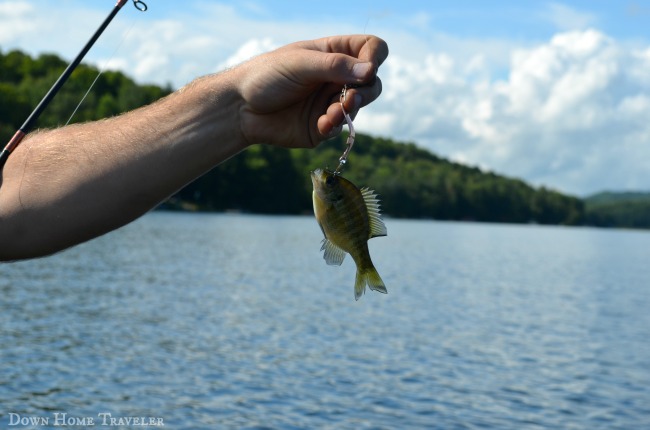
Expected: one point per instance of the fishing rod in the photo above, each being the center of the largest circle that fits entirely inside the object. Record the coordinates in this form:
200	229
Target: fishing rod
31	120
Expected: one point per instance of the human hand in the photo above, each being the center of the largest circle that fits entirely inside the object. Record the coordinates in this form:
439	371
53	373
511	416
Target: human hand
291	95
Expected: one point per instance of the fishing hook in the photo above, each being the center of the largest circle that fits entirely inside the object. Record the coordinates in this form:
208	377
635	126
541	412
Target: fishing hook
350	140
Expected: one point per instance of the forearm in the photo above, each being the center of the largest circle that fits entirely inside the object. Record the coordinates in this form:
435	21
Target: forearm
55	185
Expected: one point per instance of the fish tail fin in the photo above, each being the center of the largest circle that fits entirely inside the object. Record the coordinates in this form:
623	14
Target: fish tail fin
371	277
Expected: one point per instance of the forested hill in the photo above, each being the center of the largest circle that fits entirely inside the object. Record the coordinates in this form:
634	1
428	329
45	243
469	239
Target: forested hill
622	209
25	80
411	182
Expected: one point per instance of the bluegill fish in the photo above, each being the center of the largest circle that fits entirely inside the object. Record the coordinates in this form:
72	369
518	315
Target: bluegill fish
349	217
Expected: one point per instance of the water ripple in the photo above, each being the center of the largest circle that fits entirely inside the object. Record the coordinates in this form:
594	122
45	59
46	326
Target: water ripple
235	322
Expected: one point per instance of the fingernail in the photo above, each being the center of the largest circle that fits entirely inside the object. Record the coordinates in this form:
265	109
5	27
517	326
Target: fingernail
360	70
357	102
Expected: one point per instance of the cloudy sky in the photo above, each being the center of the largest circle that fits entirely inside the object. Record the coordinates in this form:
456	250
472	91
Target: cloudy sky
556	93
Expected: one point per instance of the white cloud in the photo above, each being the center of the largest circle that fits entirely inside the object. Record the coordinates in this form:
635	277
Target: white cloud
14	17
565	18
572	113
248	50
62	28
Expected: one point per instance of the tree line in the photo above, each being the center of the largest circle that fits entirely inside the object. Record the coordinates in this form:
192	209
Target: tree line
24	81
412	182
621	209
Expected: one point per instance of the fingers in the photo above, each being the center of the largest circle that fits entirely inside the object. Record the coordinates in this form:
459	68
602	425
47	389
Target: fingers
314	67
331	123
369	48
339	59
302	82
331	63
326	129
369	93
366	48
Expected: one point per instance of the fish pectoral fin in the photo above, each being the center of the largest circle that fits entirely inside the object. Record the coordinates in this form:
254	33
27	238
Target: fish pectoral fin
377	226
333	254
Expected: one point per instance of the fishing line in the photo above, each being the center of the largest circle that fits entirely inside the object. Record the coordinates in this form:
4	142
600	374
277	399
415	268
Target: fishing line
104	67
36	113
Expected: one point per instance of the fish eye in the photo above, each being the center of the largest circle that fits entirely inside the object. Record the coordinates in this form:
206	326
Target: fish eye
329	180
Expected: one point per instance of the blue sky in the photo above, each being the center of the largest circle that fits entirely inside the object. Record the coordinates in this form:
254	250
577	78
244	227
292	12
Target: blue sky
556	93
526	20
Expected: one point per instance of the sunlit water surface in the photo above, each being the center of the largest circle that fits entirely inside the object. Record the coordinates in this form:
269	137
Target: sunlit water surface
234	321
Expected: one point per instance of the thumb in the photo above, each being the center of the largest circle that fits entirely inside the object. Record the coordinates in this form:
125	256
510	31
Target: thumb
336	68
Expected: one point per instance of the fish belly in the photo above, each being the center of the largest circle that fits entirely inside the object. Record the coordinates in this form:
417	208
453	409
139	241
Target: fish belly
349	226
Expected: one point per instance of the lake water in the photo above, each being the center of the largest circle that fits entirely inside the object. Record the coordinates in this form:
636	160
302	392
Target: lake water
233	321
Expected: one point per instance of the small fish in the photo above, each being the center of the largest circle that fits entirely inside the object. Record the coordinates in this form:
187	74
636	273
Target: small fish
349	217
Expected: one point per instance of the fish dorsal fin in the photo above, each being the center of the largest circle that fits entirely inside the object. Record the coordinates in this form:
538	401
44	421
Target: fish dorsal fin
333	254
377	226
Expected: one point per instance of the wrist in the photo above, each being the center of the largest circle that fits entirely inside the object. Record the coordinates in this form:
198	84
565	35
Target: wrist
246	122
220	102
206	118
